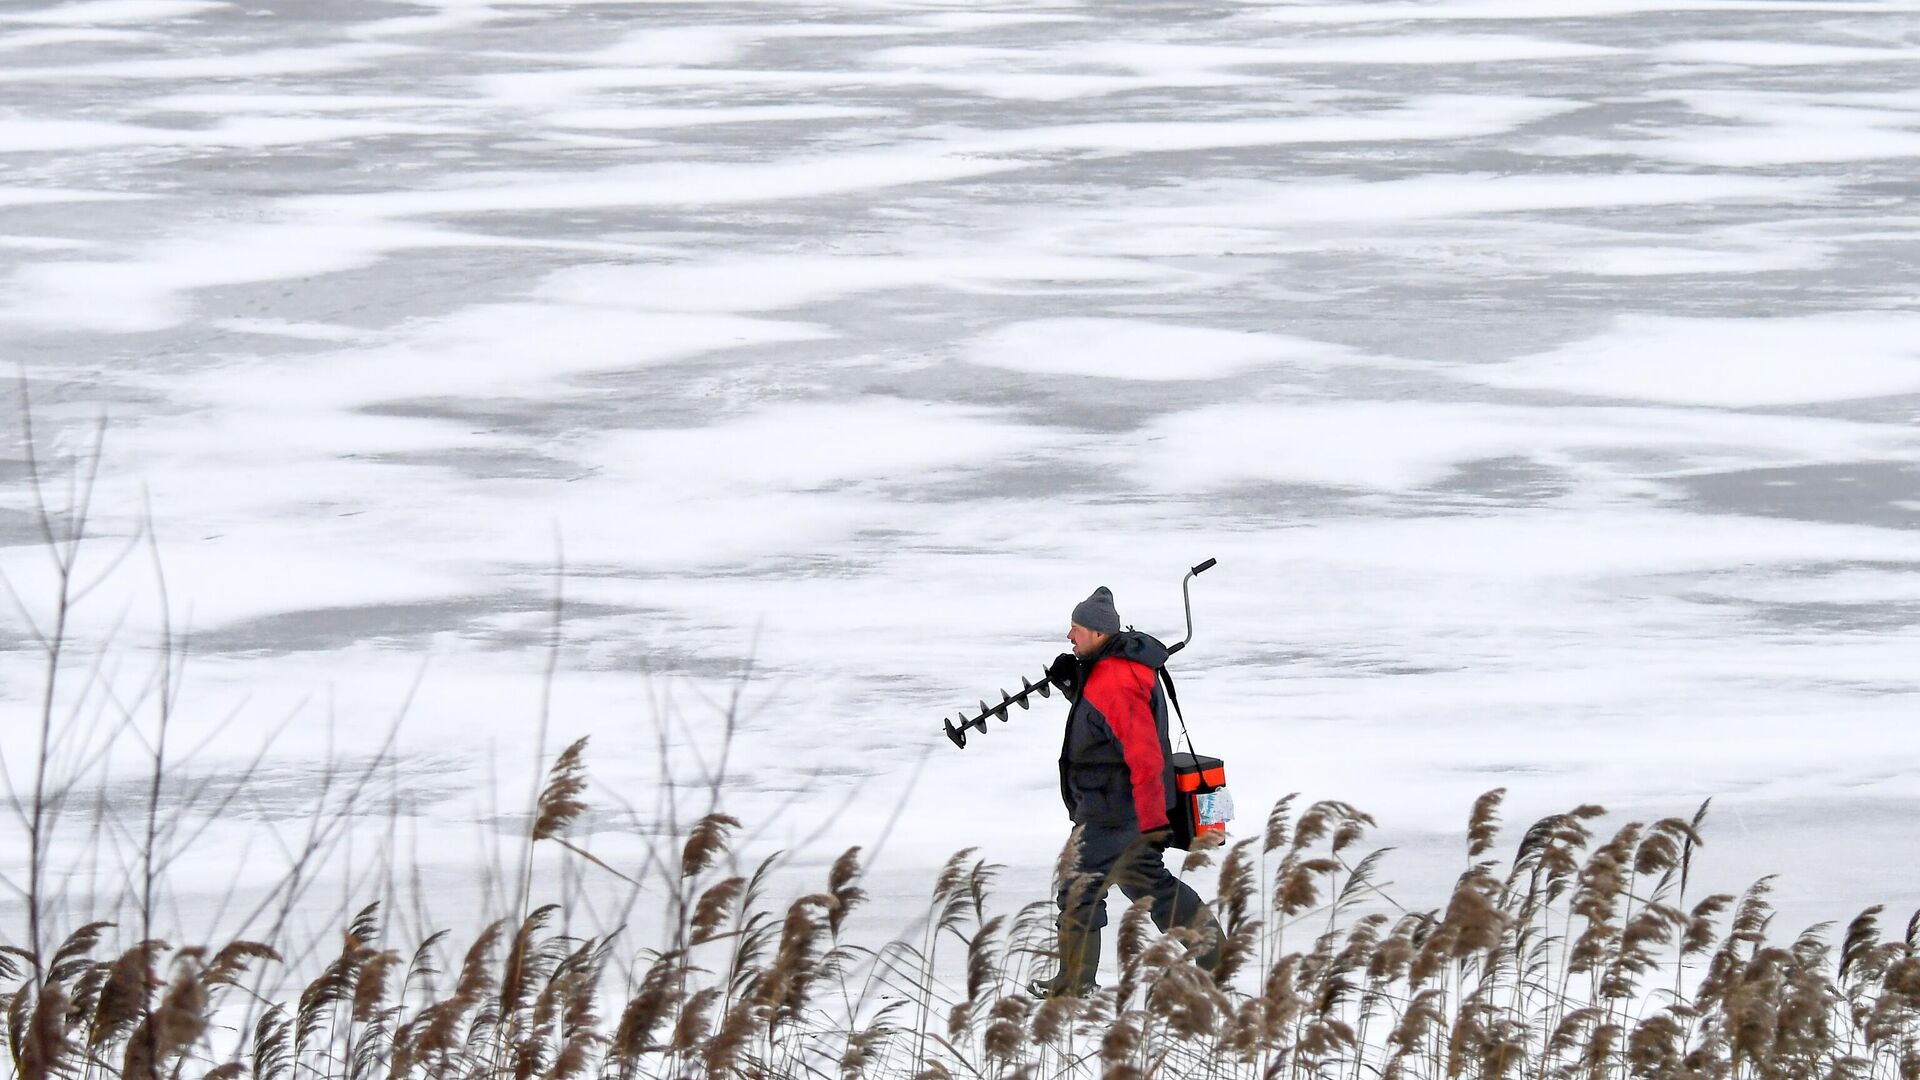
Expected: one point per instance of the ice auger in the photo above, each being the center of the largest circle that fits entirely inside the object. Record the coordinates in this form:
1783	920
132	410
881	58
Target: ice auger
958	732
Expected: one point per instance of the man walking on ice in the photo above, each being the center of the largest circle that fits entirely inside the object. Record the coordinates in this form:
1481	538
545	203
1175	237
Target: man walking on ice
1116	777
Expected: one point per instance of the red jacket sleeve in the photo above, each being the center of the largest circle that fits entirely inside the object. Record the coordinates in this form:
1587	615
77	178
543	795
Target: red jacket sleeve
1123	692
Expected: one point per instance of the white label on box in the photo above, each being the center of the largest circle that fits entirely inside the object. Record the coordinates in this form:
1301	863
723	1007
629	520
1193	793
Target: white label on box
1215	807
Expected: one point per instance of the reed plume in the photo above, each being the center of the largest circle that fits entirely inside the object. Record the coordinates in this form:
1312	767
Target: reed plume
706	841
560	801
1483	824
1568	961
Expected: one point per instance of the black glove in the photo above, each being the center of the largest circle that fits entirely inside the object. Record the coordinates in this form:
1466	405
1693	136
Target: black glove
1064	672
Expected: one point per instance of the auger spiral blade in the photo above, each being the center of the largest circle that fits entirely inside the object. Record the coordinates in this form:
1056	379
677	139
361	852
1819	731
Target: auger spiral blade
958	732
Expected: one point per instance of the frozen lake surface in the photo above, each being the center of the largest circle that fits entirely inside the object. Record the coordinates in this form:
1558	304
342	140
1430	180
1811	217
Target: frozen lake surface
1543	373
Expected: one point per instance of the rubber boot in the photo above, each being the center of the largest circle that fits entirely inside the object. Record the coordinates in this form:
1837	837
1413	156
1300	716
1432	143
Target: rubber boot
1079	961
1206	953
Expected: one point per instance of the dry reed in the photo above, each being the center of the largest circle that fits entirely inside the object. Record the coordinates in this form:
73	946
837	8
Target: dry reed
1574	960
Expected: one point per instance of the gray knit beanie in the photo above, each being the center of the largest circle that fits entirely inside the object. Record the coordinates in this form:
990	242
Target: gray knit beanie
1096	612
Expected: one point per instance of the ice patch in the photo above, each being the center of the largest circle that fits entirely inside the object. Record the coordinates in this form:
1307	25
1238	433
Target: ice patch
1467	10
1766	129
1907	100
20	196
524	349
244	574
21	136
147	292
837	446
1649	261
1735	363
42	243
1176	58
270	63
91	12
1247	217
1403	446
1545	544
697	46
1433	49
1431	117
262	491
789	482
1441	196
990	20
453	15
1736	148
1780	53
535	88
717	183
25	136
1141	349
38	39
1853	586
248	131
1428	49
676	46
775	282
663	117
1787	145
1438	116
296	331
225	104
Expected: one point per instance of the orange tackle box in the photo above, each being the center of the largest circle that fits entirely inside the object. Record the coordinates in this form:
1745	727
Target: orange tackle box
1203	805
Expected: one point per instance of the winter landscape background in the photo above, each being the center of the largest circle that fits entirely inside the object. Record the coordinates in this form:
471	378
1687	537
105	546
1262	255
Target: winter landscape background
1543	374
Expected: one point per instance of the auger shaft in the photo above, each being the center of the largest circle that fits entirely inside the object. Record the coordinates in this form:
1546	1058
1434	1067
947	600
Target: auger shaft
958	733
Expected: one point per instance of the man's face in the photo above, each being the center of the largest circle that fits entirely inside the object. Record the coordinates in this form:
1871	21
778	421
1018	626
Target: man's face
1085	642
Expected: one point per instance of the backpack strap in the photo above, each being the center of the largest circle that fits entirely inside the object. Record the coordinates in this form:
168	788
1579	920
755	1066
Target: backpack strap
1173	696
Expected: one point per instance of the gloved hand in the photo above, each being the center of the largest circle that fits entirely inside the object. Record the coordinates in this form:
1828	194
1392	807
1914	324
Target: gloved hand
1064	672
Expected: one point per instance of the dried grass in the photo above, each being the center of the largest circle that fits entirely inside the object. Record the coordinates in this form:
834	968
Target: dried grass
1571	961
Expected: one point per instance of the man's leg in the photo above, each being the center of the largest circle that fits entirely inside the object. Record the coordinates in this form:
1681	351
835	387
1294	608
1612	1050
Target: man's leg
1141	871
1083	910
1083	895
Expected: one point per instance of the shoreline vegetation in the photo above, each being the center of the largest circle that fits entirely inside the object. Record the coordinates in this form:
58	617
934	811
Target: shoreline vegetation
1582	955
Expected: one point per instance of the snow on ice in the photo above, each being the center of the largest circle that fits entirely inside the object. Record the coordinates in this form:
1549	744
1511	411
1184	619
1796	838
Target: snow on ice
1543	374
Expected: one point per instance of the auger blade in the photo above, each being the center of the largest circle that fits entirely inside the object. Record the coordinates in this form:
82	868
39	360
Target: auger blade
978	722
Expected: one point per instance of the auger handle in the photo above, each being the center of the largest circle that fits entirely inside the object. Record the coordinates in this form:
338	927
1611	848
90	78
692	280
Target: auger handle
1186	600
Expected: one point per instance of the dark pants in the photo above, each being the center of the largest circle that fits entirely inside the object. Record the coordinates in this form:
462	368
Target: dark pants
1120	856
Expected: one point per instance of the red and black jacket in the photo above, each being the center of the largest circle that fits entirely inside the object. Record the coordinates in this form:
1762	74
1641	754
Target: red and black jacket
1116	758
